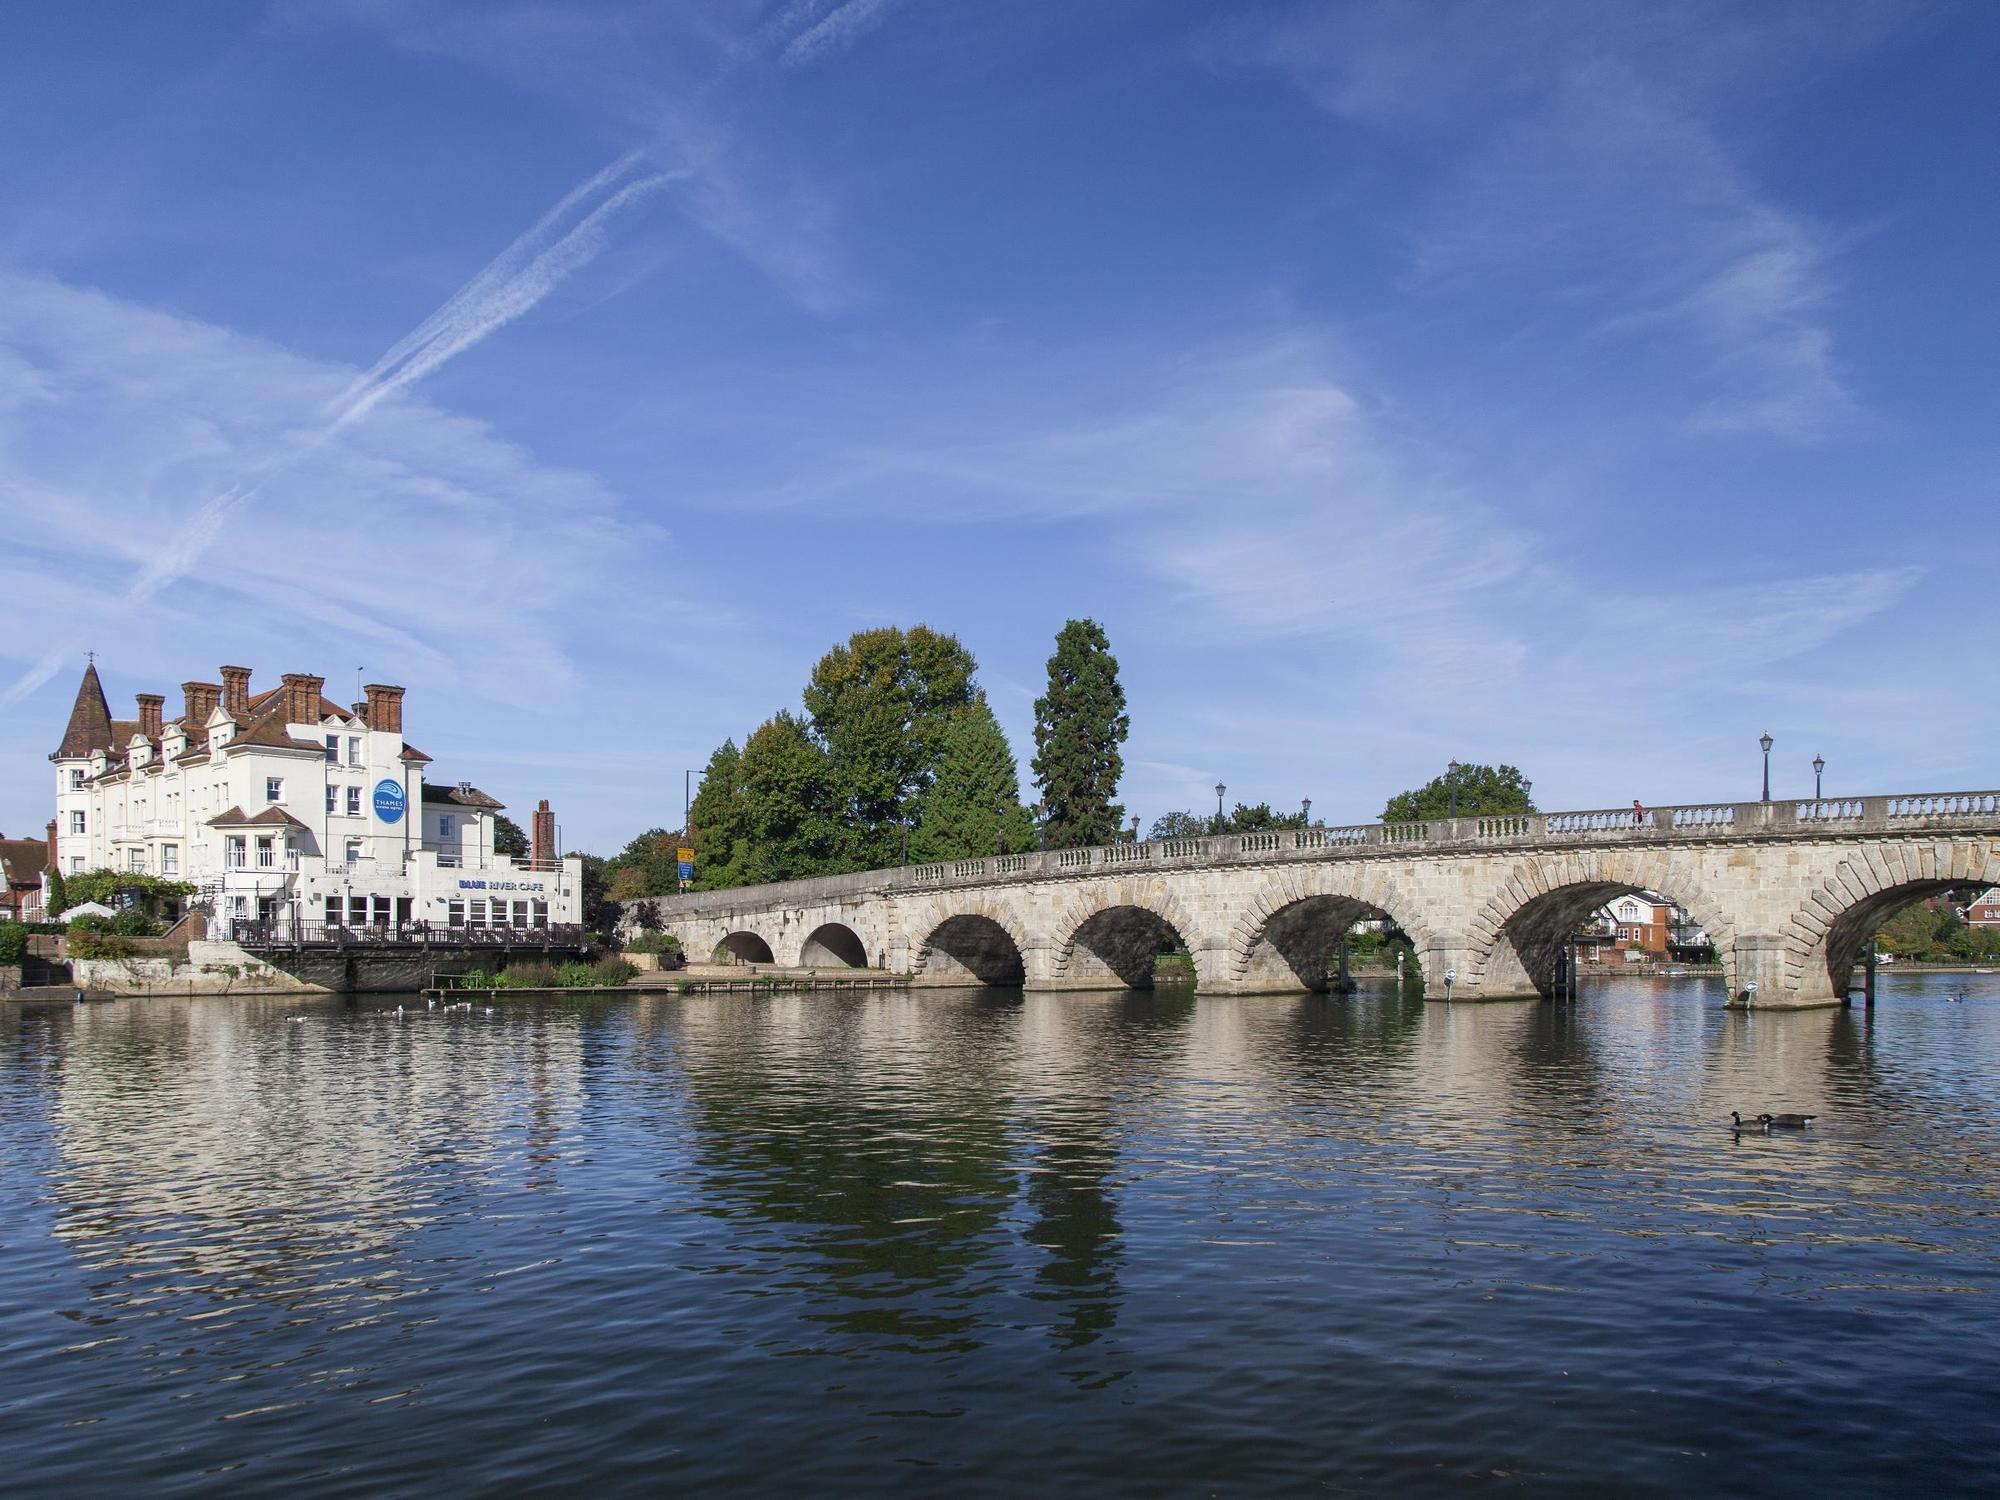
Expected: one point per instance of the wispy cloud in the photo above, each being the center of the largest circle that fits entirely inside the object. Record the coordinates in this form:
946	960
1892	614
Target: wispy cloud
839	27
519	278
1580	173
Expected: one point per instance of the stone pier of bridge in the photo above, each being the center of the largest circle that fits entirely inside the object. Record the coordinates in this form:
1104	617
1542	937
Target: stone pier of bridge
1789	893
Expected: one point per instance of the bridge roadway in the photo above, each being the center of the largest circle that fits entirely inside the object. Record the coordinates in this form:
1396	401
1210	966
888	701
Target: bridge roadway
1789	892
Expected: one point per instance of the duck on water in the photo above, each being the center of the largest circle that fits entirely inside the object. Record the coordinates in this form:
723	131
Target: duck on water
1773	1122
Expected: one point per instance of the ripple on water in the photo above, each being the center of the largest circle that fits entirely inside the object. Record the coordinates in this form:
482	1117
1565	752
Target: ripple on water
994	1241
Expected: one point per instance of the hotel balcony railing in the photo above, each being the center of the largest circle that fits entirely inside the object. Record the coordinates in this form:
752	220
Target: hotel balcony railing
281	933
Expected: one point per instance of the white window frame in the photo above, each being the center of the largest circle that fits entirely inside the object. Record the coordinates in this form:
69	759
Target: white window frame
267	852
354	751
445	826
274	789
354	802
170	859
76	779
333	749
236	851
135	861
77	823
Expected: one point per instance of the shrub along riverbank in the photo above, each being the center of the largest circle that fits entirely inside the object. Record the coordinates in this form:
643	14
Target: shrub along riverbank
606	973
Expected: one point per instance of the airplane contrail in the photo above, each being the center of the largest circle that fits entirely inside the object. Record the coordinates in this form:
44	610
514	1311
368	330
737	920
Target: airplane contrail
557	244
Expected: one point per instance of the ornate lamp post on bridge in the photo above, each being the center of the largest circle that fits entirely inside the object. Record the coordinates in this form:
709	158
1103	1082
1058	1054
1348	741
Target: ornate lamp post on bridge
1766	741
1527	795
1219	790
1306	811
1819	765
1135	828
1451	782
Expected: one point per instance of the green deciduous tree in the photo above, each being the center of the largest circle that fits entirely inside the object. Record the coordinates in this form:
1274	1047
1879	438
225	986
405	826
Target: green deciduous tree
1481	789
1079	724
1180	825
721	817
879	706
508	838
644	867
789	793
974	804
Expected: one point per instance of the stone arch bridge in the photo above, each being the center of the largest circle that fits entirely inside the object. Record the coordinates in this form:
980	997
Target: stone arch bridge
1790	893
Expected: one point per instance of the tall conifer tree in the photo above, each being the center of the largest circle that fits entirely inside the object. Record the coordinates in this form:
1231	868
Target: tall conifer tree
1079	725
974	806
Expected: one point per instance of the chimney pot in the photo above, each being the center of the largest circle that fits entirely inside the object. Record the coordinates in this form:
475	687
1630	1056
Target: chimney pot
542	835
385	707
236	689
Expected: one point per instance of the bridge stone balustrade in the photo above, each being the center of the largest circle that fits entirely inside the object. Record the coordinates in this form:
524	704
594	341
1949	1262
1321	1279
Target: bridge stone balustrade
1790	893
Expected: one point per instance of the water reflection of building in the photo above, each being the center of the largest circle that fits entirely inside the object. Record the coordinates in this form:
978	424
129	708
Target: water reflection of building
209	1150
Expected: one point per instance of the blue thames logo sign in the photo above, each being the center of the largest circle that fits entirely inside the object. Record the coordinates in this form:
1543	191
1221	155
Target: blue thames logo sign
389	801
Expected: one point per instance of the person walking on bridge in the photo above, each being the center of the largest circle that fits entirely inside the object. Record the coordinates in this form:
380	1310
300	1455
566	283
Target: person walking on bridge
1638	813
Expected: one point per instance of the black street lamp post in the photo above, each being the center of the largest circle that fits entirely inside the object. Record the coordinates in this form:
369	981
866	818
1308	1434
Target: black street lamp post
906	838
1451	781
1766	741
1306	811
1135	828
1041	827
1819	765
1219	790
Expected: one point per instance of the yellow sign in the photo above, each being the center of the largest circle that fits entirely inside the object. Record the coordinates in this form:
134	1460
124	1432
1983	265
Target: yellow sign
685	856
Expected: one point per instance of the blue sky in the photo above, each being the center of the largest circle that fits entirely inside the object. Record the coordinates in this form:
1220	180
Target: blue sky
1585	386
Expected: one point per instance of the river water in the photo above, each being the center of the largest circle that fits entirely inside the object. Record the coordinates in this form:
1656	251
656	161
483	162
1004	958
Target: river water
981	1242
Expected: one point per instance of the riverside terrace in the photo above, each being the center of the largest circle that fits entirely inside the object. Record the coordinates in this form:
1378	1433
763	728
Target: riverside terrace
1790	893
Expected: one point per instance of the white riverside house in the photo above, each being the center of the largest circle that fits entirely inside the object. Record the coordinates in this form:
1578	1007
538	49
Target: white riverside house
284	809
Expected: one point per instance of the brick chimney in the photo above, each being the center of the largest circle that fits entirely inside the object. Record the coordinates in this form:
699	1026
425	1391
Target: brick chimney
542	835
52	845
200	699
236	690
385	707
149	714
301	697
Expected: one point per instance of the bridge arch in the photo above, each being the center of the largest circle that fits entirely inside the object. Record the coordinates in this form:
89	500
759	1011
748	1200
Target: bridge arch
833	945
981	941
743	947
1118	930
1831	933
1293	922
1517	939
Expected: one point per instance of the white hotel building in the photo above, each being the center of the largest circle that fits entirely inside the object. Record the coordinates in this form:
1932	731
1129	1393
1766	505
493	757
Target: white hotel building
284	808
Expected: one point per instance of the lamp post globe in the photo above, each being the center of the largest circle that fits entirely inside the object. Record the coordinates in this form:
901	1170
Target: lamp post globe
1766	741
1819	766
